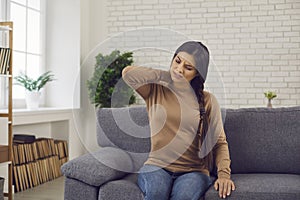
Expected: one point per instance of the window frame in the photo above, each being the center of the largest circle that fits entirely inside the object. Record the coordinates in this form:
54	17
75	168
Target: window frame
20	102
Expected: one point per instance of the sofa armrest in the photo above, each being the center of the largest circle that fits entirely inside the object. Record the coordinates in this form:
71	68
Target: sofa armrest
99	167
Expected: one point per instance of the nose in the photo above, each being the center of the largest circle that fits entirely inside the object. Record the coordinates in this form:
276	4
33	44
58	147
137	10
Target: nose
180	68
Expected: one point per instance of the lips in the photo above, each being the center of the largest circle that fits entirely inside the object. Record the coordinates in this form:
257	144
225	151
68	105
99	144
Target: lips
178	76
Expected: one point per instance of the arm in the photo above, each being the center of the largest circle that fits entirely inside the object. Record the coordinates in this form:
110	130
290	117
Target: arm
224	184
221	152
142	79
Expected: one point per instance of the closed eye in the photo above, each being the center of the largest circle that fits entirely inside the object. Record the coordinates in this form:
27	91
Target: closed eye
188	67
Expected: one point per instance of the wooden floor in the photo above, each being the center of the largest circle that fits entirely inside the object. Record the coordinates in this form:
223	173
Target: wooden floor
52	190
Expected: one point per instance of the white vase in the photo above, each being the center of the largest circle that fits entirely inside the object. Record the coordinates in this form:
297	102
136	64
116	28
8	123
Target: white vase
32	99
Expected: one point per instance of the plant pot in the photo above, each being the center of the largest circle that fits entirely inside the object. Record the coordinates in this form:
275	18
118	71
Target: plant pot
32	100
269	105
1	188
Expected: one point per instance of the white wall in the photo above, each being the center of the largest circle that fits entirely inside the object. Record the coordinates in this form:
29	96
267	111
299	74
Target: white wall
93	32
3	10
255	44
93	24
63	52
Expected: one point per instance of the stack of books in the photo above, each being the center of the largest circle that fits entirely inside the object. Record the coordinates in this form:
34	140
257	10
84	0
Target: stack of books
37	162
4	60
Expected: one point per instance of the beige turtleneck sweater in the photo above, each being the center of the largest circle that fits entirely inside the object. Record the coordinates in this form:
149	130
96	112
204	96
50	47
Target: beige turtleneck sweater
174	118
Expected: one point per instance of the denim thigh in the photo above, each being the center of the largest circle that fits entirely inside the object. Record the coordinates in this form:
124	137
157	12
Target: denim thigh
155	183
159	184
190	186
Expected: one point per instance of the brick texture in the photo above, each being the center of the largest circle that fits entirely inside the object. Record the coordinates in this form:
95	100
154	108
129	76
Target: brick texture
254	44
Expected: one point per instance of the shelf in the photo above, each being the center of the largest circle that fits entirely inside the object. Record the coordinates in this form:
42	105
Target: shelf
4	115
5	163
5	75
6	150
5	28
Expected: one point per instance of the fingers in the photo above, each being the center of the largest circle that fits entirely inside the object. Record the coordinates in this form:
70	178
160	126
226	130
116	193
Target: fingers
229	187
225	187
216	185
221	189
233	186
224	192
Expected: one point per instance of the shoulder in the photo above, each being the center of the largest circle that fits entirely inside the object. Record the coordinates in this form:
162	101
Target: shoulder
209	97
210	101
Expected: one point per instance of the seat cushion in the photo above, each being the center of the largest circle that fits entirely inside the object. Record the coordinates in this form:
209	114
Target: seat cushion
75	189
121	189
262	187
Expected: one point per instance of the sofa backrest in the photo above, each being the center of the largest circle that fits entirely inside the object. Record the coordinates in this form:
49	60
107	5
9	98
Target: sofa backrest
264	140
261	140
126	128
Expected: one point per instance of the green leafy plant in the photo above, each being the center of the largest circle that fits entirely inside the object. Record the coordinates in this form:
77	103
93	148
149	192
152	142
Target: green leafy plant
270	95
107	81
31	84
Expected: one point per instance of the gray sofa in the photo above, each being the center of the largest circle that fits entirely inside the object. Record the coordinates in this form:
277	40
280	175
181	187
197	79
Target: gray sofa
264	146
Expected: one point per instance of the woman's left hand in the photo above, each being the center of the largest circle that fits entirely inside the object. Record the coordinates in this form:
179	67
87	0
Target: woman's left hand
224	185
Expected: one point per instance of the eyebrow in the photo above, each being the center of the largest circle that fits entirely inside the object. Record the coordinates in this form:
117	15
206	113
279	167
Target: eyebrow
188	63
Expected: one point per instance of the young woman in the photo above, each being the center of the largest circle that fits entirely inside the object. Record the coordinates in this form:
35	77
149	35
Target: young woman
187	134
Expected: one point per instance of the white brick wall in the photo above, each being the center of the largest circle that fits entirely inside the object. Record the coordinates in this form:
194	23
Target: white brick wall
254	44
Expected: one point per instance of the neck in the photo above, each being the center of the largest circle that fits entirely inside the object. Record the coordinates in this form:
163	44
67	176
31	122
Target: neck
181	85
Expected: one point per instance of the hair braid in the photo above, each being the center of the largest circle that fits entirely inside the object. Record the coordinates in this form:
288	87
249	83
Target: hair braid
198	86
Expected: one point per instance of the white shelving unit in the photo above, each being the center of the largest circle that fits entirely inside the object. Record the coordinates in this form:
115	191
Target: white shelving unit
6	30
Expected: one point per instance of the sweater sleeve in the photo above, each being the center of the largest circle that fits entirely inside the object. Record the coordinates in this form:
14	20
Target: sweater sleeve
220	149
142	79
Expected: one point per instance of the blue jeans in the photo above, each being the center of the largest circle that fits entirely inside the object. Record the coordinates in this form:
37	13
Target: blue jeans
159	184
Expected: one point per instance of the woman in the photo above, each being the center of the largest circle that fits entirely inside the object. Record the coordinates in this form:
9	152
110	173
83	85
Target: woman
186	128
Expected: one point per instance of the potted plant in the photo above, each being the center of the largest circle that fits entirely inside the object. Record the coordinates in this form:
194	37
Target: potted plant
270	95
33	87
106	87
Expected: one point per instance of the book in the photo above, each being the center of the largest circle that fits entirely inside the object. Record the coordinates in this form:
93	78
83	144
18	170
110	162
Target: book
38	161
23	138
4	60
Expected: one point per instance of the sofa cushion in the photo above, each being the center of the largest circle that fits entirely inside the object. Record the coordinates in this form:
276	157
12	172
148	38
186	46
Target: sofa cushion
121	189
82	191
263	140
262	187
98	167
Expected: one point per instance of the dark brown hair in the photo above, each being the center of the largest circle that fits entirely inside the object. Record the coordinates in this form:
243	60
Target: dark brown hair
200	54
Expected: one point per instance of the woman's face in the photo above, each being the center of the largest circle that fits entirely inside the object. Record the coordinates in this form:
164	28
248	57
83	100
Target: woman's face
183	67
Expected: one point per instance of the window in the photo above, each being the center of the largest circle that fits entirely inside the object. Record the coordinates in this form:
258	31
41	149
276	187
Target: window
28	39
